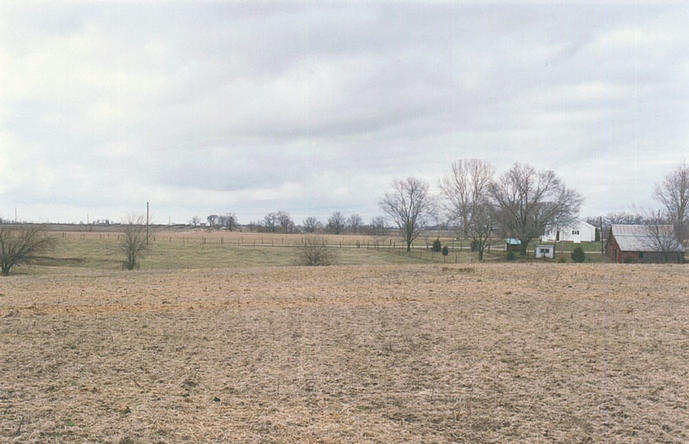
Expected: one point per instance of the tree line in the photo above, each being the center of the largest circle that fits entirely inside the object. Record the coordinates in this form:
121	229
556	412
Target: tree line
282	222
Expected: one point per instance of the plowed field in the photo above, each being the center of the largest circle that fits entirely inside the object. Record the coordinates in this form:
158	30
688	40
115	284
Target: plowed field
403	353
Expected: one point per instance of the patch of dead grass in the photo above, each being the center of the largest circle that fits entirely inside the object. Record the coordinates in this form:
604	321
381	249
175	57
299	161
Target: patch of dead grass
341	354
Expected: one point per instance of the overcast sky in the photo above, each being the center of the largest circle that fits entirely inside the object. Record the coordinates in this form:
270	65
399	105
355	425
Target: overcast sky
212	107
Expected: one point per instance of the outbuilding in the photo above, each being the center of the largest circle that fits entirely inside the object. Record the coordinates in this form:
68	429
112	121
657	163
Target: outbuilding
643	244
512	244
545	251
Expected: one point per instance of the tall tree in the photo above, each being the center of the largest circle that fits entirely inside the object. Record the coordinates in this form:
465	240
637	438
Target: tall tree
336	223
270	222
410	206
228	221
354	223
673	193
212	220
527	201
463	188
311	225
377	226
285	222
466	200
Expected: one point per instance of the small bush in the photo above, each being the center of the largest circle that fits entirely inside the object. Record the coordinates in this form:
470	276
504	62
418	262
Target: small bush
436	246
19	244
578	255
561	259
446	250
314	251
510	255
474	245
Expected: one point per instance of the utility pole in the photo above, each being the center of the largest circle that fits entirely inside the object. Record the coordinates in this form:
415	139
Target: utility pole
15	215
147	213
600	224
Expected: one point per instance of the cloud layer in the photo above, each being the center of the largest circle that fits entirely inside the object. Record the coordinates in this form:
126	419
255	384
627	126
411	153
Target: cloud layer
210	107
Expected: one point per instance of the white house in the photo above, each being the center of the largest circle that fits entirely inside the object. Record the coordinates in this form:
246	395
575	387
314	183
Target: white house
578	231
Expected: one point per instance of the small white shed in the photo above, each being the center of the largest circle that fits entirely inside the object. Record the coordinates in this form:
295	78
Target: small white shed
547	251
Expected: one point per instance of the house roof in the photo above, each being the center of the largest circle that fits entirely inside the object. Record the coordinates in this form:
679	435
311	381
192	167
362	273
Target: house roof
578	223
638	238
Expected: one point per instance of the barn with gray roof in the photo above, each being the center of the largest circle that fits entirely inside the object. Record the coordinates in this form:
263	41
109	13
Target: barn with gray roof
643	244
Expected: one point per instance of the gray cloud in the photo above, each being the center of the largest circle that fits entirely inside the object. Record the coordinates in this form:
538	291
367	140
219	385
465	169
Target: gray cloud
208	107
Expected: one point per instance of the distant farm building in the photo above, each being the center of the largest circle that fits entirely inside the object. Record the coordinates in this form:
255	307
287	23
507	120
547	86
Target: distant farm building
512	244
545	251
578	231
642	244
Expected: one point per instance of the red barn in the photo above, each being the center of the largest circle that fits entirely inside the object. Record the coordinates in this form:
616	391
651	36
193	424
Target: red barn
643	244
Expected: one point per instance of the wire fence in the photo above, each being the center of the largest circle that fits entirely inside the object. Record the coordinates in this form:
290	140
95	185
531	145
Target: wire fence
420	249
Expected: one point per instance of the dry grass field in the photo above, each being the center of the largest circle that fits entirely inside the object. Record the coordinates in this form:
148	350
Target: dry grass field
403	353
186	250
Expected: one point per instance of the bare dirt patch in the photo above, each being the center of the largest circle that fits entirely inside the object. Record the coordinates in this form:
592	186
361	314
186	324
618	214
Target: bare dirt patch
372	354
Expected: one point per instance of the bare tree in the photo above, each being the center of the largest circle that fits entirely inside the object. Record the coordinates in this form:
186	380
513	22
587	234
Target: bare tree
19	244
623	218
195	221
228	221
285	222
314	251
465	192
673	193
354	223
311	225
212	220
270	222
336	223
410	207
465	187
133	243
661	237
481	226
603	223
377	226
527	201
